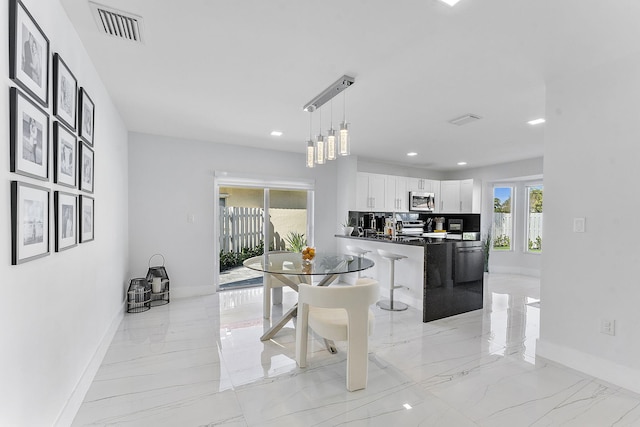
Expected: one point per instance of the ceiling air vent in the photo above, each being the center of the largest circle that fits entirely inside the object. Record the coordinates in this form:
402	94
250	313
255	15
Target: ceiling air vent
117	23
468	118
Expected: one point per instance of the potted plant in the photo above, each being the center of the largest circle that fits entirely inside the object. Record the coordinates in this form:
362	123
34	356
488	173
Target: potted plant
347	227
487	249
296	242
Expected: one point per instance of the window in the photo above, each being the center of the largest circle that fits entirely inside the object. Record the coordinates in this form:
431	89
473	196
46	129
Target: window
534	219
502	218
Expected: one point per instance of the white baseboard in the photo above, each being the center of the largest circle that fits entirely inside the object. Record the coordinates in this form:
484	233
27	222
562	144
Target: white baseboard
70	410
533	272
613	373
192	291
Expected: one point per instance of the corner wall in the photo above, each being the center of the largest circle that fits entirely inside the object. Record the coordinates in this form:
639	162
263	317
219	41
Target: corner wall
591	171
59	311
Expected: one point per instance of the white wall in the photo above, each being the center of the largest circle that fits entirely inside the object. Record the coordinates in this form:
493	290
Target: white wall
173	178
57	311
591	171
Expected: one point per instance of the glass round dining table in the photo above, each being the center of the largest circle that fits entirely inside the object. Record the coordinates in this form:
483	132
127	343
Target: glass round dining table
288	265
291	263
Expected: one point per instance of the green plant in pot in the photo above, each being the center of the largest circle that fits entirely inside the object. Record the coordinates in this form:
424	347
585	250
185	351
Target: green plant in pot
296	242
487	249
347	227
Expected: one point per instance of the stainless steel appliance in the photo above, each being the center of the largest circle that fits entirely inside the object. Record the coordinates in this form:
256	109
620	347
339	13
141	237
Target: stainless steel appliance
422	201
468	262
454	229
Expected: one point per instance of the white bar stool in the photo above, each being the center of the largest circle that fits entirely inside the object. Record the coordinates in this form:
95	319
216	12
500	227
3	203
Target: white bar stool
358	251
391	305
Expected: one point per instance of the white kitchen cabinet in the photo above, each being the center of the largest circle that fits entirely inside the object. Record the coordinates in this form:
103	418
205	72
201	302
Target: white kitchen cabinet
449	196
457	196
396	194
417	184
466	196
370	192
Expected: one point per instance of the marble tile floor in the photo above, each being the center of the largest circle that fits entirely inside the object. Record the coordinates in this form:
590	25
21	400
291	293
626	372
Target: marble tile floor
200	362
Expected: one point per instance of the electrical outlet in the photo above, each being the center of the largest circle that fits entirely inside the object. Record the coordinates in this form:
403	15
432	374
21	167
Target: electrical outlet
191	218
608	326
578	225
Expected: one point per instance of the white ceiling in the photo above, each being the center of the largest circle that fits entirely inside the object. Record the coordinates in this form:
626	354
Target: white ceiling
231	71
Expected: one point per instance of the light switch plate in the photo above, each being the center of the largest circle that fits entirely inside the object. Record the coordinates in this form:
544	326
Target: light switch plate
579	225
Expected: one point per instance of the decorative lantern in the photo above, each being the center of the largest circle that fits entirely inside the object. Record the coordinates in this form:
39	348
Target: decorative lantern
158	280
138	296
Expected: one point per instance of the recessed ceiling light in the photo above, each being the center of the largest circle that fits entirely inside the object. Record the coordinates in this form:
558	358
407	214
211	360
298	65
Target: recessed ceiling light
536	121
450	2
276	133
411	154
462	163
406	406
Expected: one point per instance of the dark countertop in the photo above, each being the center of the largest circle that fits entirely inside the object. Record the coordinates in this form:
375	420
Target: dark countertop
405	240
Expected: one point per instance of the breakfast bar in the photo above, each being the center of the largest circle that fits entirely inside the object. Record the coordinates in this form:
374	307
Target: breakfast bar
442	277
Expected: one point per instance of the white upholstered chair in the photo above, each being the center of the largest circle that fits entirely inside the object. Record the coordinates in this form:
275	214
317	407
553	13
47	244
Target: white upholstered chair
281	261
339	313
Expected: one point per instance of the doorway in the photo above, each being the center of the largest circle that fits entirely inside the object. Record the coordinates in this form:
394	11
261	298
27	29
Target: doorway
255	218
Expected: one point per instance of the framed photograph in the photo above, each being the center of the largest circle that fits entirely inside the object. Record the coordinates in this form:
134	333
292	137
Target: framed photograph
64	156
65	93
87	216
66	217
85	166
29	222
28	53
86	115
29	135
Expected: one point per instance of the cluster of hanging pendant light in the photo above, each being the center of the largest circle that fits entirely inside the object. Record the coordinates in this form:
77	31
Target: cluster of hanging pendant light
335	143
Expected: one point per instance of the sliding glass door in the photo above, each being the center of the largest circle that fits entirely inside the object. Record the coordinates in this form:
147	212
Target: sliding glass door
256	218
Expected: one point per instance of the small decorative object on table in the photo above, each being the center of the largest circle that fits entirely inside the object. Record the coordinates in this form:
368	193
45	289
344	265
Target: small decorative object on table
158	280
138	296
308	254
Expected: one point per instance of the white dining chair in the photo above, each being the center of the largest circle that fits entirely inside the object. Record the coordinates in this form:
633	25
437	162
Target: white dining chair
279	261
340	313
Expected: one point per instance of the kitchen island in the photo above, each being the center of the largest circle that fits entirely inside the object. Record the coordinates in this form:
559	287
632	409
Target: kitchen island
443	277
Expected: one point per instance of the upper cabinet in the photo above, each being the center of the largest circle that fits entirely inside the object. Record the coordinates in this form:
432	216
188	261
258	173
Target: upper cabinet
370	192
460	196
396	194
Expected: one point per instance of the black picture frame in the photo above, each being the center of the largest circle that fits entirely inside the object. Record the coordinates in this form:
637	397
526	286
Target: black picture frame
86	116
29	137
30	208
85	165
65	93
66	220
86	218
65	147
28	53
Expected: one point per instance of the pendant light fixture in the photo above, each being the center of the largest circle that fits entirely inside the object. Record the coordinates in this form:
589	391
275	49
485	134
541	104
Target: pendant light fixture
328	149
320	146
310	147
343	145
331	138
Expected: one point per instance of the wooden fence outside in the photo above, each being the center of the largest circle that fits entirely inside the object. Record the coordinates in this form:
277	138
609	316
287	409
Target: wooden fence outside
240	228
502	225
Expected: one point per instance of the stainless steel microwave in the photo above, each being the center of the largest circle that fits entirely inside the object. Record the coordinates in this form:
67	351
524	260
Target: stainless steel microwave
422	201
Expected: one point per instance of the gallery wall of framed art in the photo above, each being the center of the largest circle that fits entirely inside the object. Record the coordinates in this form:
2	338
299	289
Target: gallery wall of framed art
50	141
56	265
